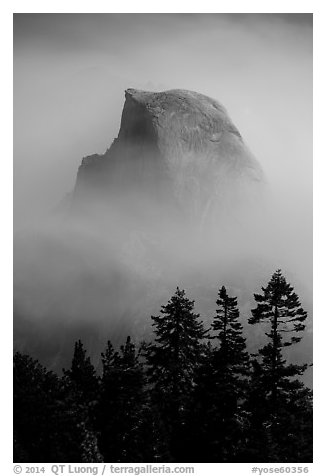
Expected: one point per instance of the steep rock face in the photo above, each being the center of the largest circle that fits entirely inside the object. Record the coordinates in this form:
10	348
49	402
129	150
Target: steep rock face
177	146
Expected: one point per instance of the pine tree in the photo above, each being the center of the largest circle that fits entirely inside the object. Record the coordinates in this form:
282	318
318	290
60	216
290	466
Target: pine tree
80	386
280	307
82	374
122	406
231	356
172	361
276	385
231	369
222	385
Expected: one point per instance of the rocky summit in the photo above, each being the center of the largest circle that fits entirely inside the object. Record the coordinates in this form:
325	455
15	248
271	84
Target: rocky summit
175	146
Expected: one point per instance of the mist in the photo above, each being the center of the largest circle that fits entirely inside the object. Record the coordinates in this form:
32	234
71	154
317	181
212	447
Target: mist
99	267
70	72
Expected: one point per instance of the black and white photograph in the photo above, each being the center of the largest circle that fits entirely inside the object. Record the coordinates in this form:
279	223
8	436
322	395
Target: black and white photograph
163	238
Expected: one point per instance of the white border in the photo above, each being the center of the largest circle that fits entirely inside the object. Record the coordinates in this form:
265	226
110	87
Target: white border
316	7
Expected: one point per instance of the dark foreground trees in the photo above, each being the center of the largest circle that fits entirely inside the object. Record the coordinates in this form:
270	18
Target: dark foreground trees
220	388
51	423
35	410
189	395
123	414
172	360
284	419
